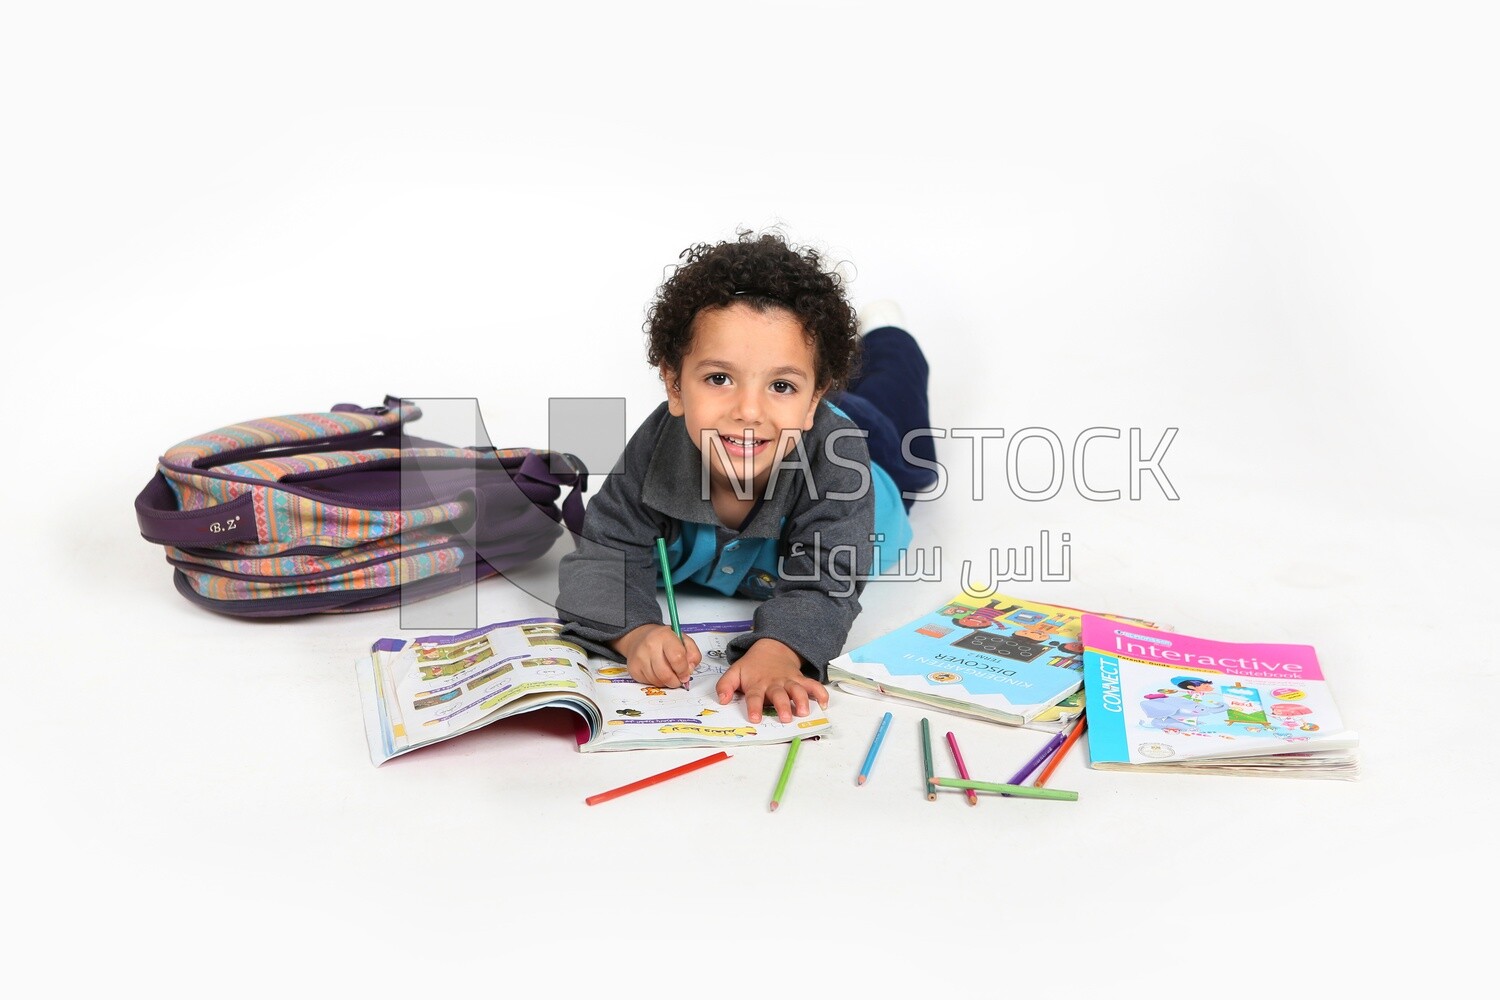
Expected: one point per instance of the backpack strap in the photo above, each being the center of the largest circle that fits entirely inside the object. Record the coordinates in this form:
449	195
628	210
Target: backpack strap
542	467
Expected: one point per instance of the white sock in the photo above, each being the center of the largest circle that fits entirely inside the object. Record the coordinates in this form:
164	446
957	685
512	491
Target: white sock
881	312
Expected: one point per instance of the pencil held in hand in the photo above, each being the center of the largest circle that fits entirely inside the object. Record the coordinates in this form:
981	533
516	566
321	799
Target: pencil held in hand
666	581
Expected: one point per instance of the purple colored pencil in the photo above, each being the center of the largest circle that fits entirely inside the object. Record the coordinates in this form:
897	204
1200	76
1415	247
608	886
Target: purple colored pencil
1035	762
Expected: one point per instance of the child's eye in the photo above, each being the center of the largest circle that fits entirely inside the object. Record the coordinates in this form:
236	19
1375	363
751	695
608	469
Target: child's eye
781	388
717	378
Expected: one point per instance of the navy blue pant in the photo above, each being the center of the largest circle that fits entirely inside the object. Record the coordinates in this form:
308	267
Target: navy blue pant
888	399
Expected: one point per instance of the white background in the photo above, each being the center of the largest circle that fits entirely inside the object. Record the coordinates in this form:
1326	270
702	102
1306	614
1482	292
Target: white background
1271	226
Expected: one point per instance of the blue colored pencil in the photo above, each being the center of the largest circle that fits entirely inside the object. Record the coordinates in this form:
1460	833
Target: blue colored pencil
864	772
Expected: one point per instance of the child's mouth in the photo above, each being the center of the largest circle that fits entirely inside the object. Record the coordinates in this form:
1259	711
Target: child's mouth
738	447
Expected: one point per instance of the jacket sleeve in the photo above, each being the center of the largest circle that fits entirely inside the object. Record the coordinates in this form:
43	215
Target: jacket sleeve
827	558
607	585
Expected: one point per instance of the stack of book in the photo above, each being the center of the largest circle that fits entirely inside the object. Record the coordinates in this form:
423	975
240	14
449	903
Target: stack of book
1168	702
1155	700
998	658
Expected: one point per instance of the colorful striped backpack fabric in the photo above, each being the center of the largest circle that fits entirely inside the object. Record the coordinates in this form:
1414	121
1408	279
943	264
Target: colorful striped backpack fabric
341	511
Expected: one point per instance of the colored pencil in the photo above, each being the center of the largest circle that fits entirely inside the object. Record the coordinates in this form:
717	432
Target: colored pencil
864	771
1062	752
958	761
1019	791
666	578
927	761
786	772
594	800
1036	759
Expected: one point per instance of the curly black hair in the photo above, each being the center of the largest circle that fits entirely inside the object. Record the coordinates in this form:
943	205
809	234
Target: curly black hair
766	273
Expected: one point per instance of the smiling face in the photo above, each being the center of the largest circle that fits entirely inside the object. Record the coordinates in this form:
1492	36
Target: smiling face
747	391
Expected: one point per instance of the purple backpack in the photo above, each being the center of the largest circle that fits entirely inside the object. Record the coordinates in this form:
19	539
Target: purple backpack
340	511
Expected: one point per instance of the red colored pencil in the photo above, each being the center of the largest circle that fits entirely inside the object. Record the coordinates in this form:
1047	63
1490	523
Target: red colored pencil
963	772
1062	751
594	800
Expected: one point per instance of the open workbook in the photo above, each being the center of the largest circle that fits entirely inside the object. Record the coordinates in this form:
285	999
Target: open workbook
1168	702
416	692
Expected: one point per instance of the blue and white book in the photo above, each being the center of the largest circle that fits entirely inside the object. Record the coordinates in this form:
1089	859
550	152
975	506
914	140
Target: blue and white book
997	658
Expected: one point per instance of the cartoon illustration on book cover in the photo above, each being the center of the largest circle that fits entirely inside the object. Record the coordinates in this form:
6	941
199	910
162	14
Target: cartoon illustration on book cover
1154	696
1199	706
1006	629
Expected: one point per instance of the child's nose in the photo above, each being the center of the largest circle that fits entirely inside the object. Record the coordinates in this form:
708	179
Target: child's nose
747	405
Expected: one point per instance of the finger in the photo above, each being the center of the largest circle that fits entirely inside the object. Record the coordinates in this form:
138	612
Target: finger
685	662
660	671
818	691
755	701
782	702
694	654
728	685
799	700
640	663
651	674
672	659
673	655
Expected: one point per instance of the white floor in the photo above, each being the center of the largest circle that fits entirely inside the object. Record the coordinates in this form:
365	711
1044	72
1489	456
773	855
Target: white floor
1271	230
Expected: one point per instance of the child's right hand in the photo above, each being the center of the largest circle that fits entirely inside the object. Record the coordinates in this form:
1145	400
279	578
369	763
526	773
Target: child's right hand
654	655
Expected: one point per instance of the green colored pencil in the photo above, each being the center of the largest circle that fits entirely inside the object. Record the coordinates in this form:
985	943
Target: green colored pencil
927	760
1018	791
666	579
786	772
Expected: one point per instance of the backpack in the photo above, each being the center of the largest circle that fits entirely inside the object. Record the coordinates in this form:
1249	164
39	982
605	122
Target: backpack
341	511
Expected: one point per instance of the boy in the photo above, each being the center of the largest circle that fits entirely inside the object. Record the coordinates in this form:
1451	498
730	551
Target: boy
760	486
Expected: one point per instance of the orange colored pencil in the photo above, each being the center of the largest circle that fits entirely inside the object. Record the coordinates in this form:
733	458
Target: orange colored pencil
594	800
1062	751
963	772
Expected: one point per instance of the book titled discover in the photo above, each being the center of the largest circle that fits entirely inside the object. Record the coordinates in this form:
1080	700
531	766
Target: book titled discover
998	658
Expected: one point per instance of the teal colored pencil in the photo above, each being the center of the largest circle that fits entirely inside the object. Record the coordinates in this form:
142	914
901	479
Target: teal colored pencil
666	577
1019	791
786	772
927	761
864	771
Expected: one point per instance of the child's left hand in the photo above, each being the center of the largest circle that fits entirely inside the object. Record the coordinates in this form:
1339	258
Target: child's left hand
771	671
